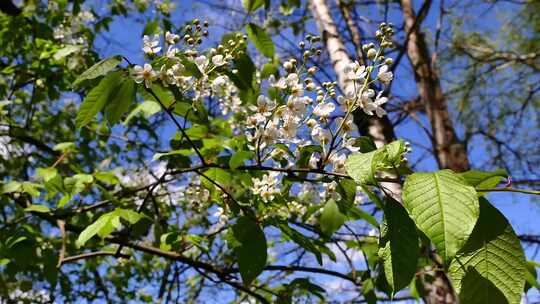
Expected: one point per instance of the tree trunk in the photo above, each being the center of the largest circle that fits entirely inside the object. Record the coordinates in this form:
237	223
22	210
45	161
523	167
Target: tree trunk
449	151
380	130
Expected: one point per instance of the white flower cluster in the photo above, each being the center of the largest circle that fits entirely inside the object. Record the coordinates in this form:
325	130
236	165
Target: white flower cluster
174	72
267	186
300	122
18	296
70	32
297	114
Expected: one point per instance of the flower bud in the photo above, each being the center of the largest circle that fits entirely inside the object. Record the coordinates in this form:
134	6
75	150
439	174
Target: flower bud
310	86
388	61
312	70
371	53
288	65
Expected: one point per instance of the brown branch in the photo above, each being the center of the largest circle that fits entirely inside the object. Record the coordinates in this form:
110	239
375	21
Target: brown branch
88	255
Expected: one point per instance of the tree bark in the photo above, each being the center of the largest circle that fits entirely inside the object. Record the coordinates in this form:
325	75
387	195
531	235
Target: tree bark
449	151
380	130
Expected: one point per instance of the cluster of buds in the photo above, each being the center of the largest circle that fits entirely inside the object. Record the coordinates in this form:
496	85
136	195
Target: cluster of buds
195	32
232	47
312	49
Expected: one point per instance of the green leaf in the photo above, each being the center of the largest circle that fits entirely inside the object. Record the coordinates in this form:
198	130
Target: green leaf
11	187
97	99
491	266
444	207
301	240
107	177
484	180
37	208
66	51
166	97
99	69
129	215
331	218
252	5
531	275
398	246
65	147
106	224
121	101
251	252
261	40
101	226
151	28
47	173
362	166
268	69
238	158
148	108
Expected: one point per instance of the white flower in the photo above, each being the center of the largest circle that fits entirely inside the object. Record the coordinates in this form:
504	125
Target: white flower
267	186
265	105
171	38
166	76
366	101
151	45
330	191
321	135
369	106
171	52
379	101
311	123
355	71
289	128
338	162
347	126
280	84
201	62
219	84
345	103
271	133
349	144
296	106
176	73
218	60
221	215
384	75
297	89
324	109
313	161
146	74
